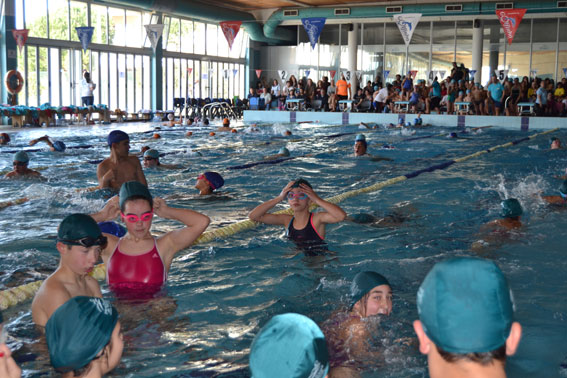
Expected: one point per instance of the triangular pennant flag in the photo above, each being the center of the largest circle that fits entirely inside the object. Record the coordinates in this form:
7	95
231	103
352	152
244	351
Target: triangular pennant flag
189	70
358	75
234	72
230	30
258	73
533	73
386	73
471	73
406	23
313	27
225	74
85	34
307	72
211	70
154	32
21	37
442	73
346	74
510	20
413	74
283	75
205	76
432	75
501	74
333	73
565	71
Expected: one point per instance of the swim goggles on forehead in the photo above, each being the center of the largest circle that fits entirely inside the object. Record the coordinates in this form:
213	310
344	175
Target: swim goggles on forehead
149	158
203	177
132	218
86	242
299	196
20	164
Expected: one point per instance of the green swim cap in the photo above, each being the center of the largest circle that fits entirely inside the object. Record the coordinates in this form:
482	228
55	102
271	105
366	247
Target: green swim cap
154	154
77	226
563	188
511	208
283	151
289	346
364	282
134	188
466	306
300	181
78	330
360	137
22	157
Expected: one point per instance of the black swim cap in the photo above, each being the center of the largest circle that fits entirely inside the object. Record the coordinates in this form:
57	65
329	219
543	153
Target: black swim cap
301	181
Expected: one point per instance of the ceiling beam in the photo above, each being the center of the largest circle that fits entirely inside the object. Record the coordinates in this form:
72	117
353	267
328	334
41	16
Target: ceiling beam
299	3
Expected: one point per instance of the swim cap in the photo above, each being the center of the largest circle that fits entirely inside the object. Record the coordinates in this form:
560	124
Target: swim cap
552	139
283	151
215	180
206	121
461	93
78	330
408	124
22	157
416	121
134	188
466	306
154	154
360	138
77	226
6	137
364	282
468	91
112	228
563	188
289	346
117	136
170	117
225	121
453	135
59	146
301	181
511	208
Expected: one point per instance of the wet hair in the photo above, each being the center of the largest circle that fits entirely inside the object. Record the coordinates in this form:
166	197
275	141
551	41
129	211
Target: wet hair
484	359
137	197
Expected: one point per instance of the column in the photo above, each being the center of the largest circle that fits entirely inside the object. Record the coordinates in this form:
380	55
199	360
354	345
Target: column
494	41
157	74
478	30
8	47
352	54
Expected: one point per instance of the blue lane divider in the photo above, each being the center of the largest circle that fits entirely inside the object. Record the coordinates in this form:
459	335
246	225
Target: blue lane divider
276	161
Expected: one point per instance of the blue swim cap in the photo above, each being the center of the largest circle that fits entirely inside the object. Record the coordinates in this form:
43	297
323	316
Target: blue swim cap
22	157
461	93
360	138
215	180
511	208
408	124
117	136
154	154
59	146
112	228
283	151
453	135
468	91
416	121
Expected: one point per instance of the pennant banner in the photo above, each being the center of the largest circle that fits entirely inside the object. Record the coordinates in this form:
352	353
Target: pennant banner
471	73
386	73
21	37
501	74
358	75
307	72
85	34
406	23
283	75
413	74
533	73
234	72
154	32
189	70
442	74
346	74
313	27
510	20
333	73
565	71
432	75
230	30
205	76
258	73
225	74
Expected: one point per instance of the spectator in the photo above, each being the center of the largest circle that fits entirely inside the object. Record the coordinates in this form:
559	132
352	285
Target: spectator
276	90
496	97
332	92
541	100
358	98
343	89
267	97
324	98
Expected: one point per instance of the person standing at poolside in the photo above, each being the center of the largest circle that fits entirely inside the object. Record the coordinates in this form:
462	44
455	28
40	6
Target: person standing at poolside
138	263
465	324
120	167
306	229
79	242
343	89
87	88
21	170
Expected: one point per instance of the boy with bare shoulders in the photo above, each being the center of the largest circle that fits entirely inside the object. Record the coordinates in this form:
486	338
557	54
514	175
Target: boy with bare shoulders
79	242
120	167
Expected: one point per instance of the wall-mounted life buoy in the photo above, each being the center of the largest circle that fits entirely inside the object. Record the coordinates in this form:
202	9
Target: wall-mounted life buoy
14	81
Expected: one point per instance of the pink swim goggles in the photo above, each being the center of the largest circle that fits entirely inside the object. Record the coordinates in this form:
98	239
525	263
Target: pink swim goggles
132	218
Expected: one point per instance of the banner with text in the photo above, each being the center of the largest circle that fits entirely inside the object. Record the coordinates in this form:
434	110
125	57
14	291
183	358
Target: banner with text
21	37
313	27
230	30
406	23
85	34
510	20
154	32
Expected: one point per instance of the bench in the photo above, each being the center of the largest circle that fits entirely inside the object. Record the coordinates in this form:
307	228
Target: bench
294	104
401	106
526	108
345	105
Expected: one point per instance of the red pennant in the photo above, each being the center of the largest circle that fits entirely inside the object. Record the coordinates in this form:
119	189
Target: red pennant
189	70
21	36
333	72
258	73
413	73
510	20
230	30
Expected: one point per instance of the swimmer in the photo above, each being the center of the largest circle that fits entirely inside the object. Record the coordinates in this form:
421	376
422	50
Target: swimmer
306	229
56	146
289	345
79	243
360	148
465	324
347	330
208	182
151	160
21	170
287	133
8	367
369	126
84	338
555	144
138	263
561	199
120	167
4	138
225	125
144	149
283	152
495	232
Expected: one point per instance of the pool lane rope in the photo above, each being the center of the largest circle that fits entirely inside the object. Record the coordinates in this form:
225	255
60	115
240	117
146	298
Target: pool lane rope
16	295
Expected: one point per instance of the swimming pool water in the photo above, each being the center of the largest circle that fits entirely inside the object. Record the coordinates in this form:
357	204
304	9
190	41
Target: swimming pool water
220	294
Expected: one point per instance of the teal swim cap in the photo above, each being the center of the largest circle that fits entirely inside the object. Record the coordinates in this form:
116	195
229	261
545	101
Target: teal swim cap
78	330
511	208
360	138
301	181
364	282
563	188
466	306
552	139
77	226
289	346
22	157
134	188
154	154
59	146
283	151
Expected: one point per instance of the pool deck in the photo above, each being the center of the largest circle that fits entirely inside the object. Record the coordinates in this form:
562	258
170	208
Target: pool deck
345	118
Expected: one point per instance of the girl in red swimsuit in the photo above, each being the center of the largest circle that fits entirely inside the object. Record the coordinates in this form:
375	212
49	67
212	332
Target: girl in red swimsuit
138	262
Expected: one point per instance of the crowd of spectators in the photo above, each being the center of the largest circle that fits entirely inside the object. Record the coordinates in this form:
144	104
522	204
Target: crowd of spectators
456	94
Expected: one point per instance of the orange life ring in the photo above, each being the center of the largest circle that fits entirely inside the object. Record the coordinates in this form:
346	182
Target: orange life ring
14	81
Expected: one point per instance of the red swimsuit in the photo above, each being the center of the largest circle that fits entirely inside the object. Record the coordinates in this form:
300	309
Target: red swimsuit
140	274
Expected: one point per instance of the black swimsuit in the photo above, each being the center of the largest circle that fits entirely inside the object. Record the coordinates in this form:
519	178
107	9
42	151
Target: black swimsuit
307	238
